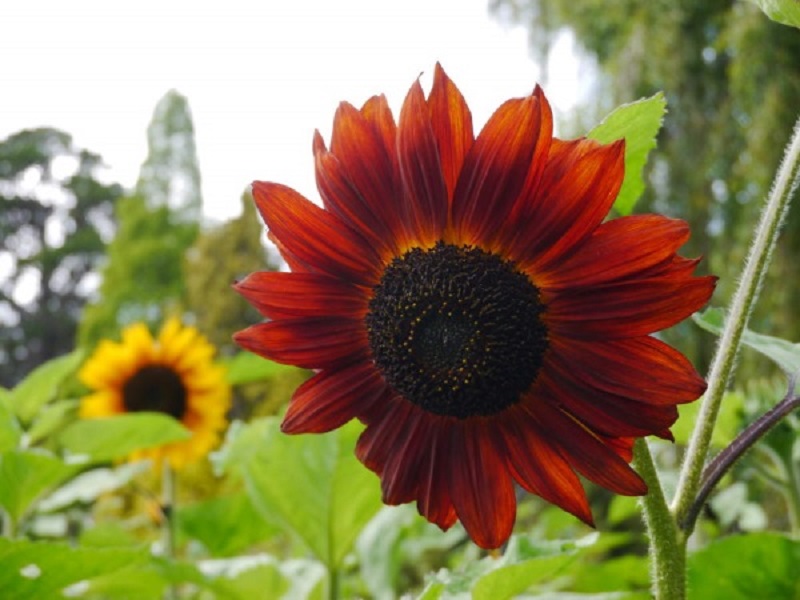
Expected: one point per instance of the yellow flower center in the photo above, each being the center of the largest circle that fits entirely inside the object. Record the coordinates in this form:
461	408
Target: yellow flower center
155	388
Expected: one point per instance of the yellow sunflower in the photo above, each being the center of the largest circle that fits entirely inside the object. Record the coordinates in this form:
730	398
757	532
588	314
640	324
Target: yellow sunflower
173	374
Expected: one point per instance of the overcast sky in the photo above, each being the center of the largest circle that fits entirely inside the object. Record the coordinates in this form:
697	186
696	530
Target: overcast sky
260	76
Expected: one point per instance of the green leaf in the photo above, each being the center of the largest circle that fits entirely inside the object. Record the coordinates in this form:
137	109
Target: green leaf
224	525
526	562
784	353
639	123
35	570
782	11
42	385
248	368
116	437
396	538
51	418
10	432
312	483
742	567
27	474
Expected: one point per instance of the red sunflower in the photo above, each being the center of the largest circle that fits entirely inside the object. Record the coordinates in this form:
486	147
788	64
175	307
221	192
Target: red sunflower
464	299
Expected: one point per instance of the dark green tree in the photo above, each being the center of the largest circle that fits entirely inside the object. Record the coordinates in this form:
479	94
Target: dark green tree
732	78
55	219
220	257
143	278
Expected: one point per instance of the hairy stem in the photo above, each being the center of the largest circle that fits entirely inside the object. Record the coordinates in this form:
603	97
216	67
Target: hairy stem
741	306
667	551
168	523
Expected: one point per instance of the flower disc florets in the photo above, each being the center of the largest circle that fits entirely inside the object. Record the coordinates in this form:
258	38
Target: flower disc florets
456	330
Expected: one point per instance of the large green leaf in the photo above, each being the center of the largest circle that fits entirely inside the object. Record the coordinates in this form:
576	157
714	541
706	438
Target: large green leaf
782	11
27	474
784	353
36	570
248	368
116	437
225	525
396	540
42	385
525	563
10	431
639	123
312	483
50	419
743	567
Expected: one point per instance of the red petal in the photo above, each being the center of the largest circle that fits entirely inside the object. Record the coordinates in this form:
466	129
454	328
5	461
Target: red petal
644	369
578	187
315	236
361	183
618	249
540	469
622	446
383	434
311	343
331	398
401	473
434	496
628	308
587	454
282	295
513	144
295	264
602	412
480	485
421	170
377	112
452	126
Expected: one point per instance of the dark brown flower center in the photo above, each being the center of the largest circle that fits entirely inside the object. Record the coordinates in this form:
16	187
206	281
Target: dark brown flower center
155	388
456	330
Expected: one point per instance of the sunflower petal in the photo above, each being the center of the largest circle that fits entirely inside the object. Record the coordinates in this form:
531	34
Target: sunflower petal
512	145
587	454
452	126
480	484
282	295
314	235
331	398
628	308
434	501
311	343
578	187
425	191
618	249
644	369
358	178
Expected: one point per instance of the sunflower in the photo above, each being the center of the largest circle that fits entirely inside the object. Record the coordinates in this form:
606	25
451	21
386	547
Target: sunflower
463	298
173	374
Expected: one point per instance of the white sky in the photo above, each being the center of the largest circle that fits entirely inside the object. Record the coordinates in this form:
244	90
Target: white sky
259	76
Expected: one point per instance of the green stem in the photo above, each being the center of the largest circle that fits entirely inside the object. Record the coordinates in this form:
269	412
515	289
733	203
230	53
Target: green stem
333	583
741	306
168	523
667	549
